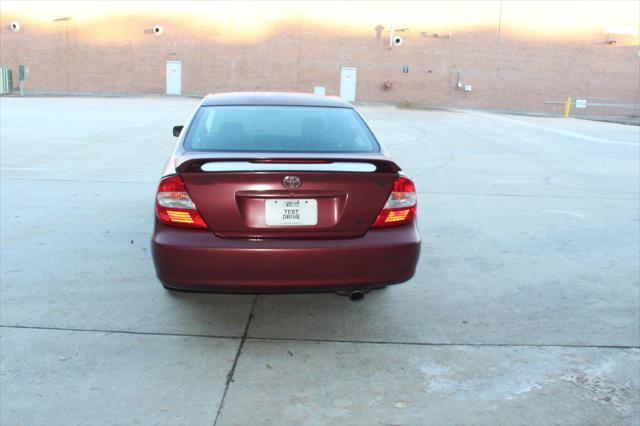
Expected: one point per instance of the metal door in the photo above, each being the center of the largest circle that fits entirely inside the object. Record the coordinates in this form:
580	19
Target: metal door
174	77
348	83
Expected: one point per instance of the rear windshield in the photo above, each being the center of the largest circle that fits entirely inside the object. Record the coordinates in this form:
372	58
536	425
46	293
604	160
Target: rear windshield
279	128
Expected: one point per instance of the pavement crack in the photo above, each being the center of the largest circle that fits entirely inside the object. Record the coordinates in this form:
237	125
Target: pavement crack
78	180
496	194
245	337
490	345
99	330
235	360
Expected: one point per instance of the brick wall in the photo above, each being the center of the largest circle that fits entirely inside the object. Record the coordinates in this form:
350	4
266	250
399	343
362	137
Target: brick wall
510	65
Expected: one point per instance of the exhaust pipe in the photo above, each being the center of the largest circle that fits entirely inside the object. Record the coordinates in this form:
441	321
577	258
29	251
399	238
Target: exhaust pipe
353	295
356	296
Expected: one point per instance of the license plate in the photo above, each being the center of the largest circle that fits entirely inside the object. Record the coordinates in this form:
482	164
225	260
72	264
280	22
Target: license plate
291	212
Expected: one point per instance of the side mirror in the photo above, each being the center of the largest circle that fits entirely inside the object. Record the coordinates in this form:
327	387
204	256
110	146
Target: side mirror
177	130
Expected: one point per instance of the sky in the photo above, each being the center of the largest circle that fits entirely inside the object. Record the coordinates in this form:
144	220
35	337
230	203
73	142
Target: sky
544	17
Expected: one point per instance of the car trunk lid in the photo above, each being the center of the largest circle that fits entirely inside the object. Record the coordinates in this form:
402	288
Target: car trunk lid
293	197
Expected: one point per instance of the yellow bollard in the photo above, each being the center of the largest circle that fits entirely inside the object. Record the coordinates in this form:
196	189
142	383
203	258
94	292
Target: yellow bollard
567	107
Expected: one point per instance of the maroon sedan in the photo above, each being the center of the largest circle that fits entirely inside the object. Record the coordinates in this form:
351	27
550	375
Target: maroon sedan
282	192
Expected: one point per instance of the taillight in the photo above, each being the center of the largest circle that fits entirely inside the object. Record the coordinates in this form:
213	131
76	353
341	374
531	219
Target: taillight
400	208
174	206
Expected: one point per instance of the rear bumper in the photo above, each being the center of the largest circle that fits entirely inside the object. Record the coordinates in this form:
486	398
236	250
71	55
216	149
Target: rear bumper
201	261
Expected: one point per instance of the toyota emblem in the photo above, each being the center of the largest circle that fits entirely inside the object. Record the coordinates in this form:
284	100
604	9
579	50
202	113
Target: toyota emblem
291	182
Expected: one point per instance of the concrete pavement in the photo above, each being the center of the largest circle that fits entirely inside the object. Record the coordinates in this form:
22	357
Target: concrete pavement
525	307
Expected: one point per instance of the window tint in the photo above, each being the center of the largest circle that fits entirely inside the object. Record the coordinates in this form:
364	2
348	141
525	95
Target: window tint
279	128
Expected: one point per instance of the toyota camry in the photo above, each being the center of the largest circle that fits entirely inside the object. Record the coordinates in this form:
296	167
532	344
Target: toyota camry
282	192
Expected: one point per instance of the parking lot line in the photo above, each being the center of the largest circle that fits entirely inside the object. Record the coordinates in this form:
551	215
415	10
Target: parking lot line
563	132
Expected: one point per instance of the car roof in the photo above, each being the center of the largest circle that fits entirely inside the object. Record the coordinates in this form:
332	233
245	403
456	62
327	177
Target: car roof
274	98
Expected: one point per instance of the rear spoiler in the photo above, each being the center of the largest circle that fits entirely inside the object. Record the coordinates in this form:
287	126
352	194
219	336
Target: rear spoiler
319	164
